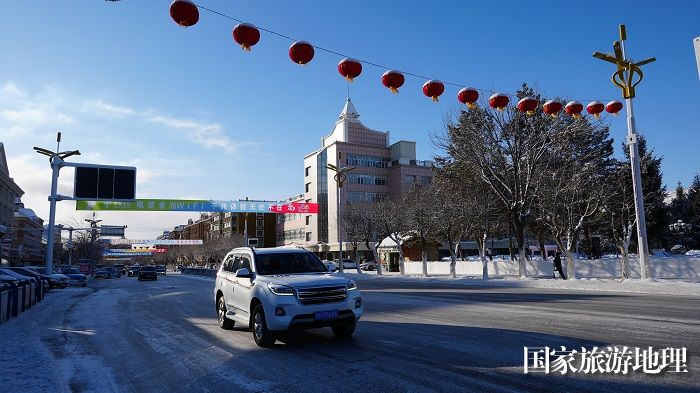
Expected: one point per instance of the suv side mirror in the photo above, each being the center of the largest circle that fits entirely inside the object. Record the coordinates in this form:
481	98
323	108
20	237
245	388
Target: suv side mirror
244	273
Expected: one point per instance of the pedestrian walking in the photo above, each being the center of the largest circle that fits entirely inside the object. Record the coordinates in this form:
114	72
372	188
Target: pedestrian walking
557	264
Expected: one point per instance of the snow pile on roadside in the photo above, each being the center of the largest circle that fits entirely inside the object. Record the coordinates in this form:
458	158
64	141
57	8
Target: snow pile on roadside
665	287
693	253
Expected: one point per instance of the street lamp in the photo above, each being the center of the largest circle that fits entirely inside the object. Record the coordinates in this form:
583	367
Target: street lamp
624	78
680	228
339	177
56	159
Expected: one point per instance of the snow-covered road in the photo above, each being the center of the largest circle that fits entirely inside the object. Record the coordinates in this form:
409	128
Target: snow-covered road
125	335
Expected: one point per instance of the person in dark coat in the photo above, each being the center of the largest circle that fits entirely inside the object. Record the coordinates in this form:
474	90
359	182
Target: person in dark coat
557	264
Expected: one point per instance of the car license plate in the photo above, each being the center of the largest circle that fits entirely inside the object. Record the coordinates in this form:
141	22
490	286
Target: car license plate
325	315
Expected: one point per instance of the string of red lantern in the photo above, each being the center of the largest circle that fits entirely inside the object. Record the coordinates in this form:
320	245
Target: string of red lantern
186	13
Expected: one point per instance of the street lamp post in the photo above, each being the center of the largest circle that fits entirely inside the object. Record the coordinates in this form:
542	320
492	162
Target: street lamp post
680	228
339	177
624	79
56	159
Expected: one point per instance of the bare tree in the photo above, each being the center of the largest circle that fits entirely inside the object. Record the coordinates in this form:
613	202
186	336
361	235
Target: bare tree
370	231
353	227
421	217
390	221
509	152
576	184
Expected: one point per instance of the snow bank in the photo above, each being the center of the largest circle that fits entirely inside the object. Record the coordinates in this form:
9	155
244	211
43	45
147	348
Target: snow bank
679	267
665	287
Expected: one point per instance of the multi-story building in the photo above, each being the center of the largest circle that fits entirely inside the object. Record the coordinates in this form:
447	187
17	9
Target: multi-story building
260	226
9	192
27	229
382	170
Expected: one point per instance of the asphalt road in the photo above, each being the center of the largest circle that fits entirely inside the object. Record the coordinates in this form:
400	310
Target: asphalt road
126	335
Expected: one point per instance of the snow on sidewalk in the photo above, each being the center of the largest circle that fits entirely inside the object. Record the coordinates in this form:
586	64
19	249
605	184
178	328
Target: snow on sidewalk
662	287
26	363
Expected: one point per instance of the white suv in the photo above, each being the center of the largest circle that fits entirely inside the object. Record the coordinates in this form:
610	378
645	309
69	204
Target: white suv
278	289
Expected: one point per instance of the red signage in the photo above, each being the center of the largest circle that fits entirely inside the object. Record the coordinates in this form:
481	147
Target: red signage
302	208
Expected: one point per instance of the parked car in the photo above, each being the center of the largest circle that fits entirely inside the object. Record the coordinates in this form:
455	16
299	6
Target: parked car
101	273
113	272
369	265
160	269
348	264
331	266
279	289
62	278
75	277
54	282
10	276
148	273
134	271
121	268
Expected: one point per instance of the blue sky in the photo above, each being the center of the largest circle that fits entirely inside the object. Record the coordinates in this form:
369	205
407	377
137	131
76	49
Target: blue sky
201	118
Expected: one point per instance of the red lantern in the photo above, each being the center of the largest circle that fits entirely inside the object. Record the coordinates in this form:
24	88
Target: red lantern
574	109
246	35
552	108
301	52
433	89
595	108
468	96
527	105
499	101
613	107
350	68
393	80
184	12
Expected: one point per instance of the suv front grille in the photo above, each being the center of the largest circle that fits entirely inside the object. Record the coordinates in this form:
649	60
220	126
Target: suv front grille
321	295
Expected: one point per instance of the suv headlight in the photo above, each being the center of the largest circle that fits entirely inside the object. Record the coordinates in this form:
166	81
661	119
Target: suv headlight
282	290
352	285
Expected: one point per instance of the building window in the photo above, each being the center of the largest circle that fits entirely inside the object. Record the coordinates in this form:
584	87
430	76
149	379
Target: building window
367	161
308	236
307	170
259	233
367	179
355	196
307	187
308	220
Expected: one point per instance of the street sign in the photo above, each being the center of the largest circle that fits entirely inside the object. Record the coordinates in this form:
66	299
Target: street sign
104	182
111	230
196	205
159	242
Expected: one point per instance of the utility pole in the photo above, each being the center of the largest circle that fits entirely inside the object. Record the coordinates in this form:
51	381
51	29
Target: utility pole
93	239
624	79
70	246
56	159
245	228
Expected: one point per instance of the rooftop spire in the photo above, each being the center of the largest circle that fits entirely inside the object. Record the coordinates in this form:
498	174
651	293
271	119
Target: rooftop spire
349	112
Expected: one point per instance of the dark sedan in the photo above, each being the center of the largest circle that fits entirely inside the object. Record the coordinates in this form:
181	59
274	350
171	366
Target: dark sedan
134	270
148	273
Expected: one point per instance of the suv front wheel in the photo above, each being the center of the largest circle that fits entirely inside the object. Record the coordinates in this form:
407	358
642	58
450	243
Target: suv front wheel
262	335
344	330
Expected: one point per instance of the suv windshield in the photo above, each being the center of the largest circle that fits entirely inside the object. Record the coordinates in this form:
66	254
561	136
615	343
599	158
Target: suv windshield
71	271
148	269
288	263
